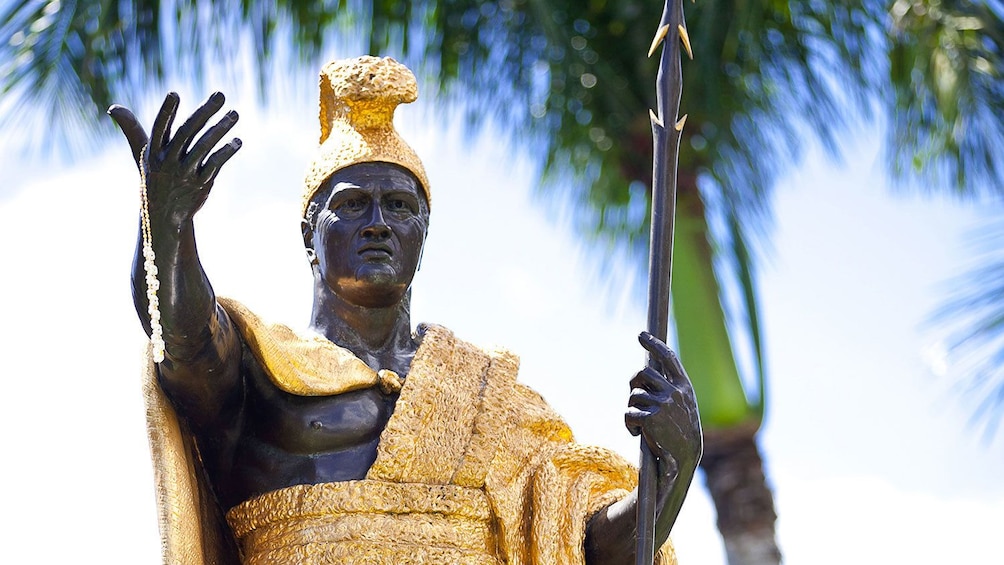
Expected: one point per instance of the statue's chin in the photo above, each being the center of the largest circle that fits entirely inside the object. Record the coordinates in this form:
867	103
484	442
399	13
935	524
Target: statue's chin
373	287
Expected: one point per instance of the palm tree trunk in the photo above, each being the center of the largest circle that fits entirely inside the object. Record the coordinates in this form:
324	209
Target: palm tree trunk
733	474
733	469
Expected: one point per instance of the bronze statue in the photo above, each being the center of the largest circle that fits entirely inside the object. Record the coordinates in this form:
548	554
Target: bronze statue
361	441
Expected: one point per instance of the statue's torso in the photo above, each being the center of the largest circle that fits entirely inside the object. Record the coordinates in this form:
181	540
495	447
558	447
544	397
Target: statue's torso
287	439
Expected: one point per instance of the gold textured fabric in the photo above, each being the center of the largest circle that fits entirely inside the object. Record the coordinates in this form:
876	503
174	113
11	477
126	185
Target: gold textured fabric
192	527
357	102
366	522
472	467
305	365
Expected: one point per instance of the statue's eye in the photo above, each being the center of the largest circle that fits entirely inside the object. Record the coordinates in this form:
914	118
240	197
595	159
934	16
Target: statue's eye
351	205
399	205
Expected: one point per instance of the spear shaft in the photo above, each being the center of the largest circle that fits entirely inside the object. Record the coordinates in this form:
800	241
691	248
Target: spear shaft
666	133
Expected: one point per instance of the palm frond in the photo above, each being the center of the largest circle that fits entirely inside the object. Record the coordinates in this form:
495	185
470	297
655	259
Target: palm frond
972	318
64	60
947	113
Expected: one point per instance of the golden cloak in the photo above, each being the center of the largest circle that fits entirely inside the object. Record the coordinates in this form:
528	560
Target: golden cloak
473	467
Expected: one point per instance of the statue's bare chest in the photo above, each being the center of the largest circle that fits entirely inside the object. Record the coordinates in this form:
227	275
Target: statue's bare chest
288	439
315	425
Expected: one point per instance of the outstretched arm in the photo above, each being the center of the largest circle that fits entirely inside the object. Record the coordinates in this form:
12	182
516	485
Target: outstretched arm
202	351
663	409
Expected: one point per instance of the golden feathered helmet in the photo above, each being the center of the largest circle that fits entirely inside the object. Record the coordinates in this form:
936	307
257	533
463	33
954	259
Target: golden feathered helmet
358	98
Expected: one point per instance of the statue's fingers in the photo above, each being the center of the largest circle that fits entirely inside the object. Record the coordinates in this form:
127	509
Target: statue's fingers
213	136
162	124
188	130
643	400
654	345
131	128
633	419
666	357
651	380
676	373
209	170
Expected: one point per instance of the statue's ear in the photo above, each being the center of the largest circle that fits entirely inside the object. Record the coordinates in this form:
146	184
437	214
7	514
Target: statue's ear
308	233
308	241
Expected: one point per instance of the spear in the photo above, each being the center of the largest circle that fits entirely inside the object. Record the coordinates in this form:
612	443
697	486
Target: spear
666	144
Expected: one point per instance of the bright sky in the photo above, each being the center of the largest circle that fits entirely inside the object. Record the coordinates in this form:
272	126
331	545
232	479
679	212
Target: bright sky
869	452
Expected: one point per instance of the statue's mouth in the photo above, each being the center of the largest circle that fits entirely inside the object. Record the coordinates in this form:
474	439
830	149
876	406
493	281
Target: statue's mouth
375	250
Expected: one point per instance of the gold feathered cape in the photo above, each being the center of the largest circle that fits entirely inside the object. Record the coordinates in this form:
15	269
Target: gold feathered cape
472	467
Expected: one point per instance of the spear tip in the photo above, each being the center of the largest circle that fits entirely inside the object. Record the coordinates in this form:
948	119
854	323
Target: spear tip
685	38
659	36
655	119
679	125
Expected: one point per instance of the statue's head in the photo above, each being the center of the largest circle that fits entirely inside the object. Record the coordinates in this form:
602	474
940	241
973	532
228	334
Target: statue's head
366	196
364	231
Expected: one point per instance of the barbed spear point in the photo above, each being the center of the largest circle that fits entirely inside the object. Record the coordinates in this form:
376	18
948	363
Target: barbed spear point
685	38
659	36
655	119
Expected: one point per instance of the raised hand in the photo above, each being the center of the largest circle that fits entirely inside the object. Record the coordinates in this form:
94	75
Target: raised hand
663	409
179	170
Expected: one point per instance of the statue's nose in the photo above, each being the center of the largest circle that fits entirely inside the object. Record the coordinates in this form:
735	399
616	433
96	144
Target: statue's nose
377	228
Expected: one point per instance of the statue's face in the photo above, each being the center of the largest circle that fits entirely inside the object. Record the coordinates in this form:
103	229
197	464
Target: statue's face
368	234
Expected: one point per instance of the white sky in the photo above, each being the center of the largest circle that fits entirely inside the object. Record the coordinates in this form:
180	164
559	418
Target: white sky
869	452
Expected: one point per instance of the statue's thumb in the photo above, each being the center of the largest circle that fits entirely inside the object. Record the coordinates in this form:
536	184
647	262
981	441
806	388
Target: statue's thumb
130	127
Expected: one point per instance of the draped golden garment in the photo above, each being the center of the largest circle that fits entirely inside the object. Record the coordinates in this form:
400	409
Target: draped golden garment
472	467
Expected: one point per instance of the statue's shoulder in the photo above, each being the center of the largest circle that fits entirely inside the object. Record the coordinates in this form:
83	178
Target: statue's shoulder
494	368
300	363
495	371
435	336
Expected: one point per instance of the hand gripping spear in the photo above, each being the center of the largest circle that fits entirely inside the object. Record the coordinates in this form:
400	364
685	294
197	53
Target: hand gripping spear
666	142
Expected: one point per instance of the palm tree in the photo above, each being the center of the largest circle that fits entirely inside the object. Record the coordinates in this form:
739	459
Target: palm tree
569	76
